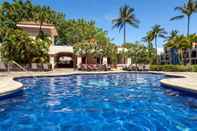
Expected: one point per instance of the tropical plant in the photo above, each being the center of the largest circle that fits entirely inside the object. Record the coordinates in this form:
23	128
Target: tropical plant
12	13
181	43
76	31
157	31
137	52
18	46
149	39
42	14
188	9
172	34
84	49
126	16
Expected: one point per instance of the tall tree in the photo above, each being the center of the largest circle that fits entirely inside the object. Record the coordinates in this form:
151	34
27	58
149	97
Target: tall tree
181	43
188	9
42	14
157	31
137	52
172	34
126	16
149	39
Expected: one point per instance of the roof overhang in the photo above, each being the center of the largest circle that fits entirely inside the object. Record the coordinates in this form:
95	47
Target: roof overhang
53	50
36	26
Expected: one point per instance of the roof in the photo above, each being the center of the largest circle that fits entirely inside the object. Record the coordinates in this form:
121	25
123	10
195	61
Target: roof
36	25
60	49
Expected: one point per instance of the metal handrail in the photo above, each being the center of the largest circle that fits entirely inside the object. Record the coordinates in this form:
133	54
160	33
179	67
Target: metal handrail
14	62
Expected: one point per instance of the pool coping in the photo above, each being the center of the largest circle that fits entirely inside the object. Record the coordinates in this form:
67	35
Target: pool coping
10	85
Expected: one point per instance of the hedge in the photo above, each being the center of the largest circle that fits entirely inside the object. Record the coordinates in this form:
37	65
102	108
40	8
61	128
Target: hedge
174	68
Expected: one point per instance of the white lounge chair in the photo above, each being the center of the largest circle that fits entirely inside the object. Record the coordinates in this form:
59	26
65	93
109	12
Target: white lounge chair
34	66
3	67
46	67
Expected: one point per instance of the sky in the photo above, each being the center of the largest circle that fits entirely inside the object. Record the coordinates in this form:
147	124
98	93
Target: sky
149	12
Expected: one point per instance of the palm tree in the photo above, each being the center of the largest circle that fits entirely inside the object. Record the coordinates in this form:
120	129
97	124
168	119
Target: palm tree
179	42
148	39
188	9
173	34
126	16
156	32
42	15
84	48
137	53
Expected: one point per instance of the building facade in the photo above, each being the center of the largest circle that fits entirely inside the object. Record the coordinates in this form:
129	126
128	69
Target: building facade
63	56
171	56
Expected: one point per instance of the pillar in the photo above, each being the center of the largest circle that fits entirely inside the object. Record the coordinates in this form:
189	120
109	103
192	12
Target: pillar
52	61
79	61
53	40
128	61
105	61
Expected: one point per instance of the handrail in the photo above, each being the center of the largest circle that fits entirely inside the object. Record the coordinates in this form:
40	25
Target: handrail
14	62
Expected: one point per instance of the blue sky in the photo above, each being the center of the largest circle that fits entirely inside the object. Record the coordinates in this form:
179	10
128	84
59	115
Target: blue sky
149	12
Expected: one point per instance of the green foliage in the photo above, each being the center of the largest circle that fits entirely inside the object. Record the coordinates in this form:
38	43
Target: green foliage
137	52
188	9
180	42
151	51
194	68
174	68
126	16
71	32
76	31
156	32
18	46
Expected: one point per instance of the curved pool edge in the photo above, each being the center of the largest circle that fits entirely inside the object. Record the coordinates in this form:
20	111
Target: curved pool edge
10	85
182	84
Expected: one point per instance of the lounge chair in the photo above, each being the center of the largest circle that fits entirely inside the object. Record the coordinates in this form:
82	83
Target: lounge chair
34	67
100	68
107	67
3	67
146	67
140	67
94	67
90	67
84	67
46	67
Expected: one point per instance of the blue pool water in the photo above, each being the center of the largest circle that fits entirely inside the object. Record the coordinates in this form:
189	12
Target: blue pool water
133	102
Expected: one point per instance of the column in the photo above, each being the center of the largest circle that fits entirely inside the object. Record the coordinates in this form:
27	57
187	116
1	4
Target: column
52	61
79	61
105	61
128	61
53	40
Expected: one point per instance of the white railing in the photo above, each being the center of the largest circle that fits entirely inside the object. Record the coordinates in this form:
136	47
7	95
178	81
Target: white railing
18	65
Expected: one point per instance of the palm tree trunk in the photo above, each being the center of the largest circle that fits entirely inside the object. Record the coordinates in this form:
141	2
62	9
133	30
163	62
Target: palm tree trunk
182	59
188	32
156	50
86	59
149	53
40	29
124	33
188	25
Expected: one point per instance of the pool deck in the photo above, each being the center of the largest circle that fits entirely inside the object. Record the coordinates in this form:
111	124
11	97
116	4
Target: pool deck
187	82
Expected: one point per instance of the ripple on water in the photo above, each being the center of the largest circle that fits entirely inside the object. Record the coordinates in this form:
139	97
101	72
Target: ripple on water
98	102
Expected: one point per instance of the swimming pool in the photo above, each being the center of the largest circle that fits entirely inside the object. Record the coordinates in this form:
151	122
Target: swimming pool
98	102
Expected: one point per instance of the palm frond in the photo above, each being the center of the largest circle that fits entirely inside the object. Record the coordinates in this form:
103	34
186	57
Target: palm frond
177	17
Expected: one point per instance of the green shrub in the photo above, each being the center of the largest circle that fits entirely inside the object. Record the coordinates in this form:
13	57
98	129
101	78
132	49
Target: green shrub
194	68
173	68
156	67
